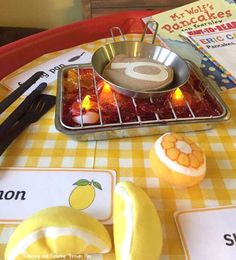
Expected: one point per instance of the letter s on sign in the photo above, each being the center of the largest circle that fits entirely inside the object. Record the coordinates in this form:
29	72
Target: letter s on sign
230	241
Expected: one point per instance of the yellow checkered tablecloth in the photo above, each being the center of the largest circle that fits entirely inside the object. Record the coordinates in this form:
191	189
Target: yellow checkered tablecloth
41	145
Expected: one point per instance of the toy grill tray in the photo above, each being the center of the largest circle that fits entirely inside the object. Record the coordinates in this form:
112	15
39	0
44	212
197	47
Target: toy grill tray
196	106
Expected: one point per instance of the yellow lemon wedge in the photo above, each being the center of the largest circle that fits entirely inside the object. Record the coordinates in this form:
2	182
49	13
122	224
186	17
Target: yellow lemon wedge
58	232
178	160
136	224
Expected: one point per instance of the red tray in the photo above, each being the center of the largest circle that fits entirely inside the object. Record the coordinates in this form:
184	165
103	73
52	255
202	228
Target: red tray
18	53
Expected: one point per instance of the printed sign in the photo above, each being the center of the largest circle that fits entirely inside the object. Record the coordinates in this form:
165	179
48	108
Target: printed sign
50	68
193	16
218	43
26	191
208	233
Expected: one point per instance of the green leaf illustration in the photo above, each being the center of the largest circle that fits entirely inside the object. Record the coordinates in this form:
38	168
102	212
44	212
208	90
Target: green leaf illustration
97	185
82	182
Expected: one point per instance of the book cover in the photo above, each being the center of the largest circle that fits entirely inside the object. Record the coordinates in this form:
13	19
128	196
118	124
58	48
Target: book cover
190	17
218	43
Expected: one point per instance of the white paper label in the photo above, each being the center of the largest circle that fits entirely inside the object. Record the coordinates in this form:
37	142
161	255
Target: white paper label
26	191
208	233
50	68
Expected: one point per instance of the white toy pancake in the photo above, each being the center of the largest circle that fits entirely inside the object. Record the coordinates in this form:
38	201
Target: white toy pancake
138	74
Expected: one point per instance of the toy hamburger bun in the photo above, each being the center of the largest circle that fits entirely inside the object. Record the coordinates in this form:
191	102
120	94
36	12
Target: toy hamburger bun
178	160
138	74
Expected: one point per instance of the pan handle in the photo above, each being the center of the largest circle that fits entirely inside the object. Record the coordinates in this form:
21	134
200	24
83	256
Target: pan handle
155	31
112	29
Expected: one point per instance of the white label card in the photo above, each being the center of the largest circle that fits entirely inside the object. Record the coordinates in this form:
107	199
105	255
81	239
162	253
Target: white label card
26	191
208	233
50	68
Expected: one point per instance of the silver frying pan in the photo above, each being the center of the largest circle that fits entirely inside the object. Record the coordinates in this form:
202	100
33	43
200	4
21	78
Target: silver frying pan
106	53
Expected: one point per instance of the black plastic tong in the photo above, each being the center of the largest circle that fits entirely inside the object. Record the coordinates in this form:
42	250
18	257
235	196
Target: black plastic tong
20	110
30	110
19	91
38	108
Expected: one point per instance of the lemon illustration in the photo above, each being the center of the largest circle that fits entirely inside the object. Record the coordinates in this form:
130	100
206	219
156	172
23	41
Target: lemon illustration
84	194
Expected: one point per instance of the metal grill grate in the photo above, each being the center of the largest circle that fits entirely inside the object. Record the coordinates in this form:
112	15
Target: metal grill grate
200	103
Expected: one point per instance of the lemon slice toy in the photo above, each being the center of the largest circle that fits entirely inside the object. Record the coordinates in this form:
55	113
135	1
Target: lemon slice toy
136	224
58	232
178	160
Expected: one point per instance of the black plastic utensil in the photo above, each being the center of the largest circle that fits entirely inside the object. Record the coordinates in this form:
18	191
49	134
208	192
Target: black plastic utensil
4	104
40	106
21	109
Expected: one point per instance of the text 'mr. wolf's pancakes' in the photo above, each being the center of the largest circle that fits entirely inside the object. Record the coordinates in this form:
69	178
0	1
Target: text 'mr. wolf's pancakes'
138	74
